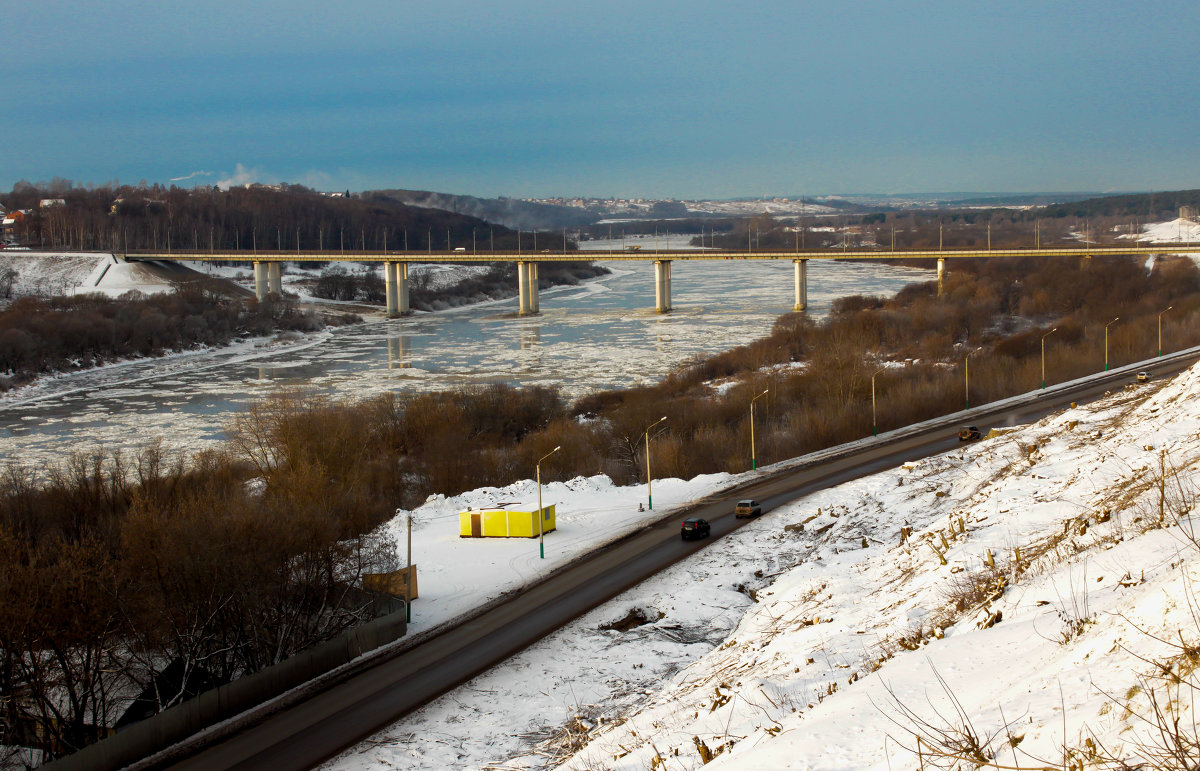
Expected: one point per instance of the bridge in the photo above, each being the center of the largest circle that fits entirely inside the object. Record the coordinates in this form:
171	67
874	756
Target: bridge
267	278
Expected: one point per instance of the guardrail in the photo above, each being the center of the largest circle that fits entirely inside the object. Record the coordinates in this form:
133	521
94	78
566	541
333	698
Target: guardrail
174	724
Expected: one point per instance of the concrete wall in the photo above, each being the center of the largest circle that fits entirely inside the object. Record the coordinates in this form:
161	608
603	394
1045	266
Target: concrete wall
175	724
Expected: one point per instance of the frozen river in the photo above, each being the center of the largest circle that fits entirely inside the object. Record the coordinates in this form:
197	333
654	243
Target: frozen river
604	334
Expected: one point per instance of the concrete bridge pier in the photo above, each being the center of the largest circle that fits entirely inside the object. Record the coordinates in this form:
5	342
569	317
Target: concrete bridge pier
274	278
801	285
941	273
395	280
662	286
522	288
401	271
260	280
389	286
528	302
535	301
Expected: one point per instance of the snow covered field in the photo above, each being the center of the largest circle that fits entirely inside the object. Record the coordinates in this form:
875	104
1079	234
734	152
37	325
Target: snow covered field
814	638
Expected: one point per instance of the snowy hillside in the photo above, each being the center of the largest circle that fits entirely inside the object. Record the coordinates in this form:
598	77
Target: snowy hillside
47	273
818	638
58	273
1175	231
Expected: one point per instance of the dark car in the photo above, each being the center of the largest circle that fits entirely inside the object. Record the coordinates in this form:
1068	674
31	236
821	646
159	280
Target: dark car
694	528
747	508
969	434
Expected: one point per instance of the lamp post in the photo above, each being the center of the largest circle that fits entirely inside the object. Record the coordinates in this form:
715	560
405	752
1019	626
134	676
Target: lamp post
753	458
408	576
967	376
874	423
1052	331
649	489
1106	326
541	516
1160	315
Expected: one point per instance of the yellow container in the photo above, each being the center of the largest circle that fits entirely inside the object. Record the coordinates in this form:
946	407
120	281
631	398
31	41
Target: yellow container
502	523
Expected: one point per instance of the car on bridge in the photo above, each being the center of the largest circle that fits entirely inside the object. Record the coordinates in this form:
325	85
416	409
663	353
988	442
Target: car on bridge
694	528
747	508
1143	377
969	434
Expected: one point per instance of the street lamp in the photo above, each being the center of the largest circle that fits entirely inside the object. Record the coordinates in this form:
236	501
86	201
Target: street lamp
1106	326
1169	307
408	575
753	459
967	375
874	424
1052	331
541	516
649	490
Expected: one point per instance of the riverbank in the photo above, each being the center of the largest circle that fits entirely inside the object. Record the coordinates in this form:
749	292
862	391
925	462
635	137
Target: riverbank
603	334
32	351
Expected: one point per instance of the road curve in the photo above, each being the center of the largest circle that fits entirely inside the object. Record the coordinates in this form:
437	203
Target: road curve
305	734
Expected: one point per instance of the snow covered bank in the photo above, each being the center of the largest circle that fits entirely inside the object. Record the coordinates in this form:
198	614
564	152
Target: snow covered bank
816	638
48	273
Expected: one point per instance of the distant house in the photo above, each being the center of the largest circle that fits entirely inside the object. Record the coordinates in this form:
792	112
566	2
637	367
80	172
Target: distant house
11	221
49	203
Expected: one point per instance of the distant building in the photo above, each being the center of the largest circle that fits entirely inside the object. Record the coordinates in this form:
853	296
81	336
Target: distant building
14	218
9	223
47	203
1187	212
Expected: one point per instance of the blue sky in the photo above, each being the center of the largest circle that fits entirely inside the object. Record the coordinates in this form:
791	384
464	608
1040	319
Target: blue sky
643	99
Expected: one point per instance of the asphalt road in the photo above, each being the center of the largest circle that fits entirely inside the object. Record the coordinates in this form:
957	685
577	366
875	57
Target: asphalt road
304	735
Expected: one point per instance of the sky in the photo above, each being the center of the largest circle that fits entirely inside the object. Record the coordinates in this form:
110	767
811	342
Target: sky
532	98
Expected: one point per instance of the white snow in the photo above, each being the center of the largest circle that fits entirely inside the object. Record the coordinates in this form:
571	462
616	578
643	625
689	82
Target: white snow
48	273
113	276
298	276
590	511
1172	232
848	628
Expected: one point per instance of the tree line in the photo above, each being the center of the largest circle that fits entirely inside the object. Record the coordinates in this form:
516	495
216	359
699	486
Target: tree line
115	568
279	217
926	230
40	335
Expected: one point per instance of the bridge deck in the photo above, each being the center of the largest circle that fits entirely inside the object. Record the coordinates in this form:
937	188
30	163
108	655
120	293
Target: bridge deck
647	255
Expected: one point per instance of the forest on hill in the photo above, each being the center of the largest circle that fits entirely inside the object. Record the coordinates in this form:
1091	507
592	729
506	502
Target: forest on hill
1147	207
284	217
1110	221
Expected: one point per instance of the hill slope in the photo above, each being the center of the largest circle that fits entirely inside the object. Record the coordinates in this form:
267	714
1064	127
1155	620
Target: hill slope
814	638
